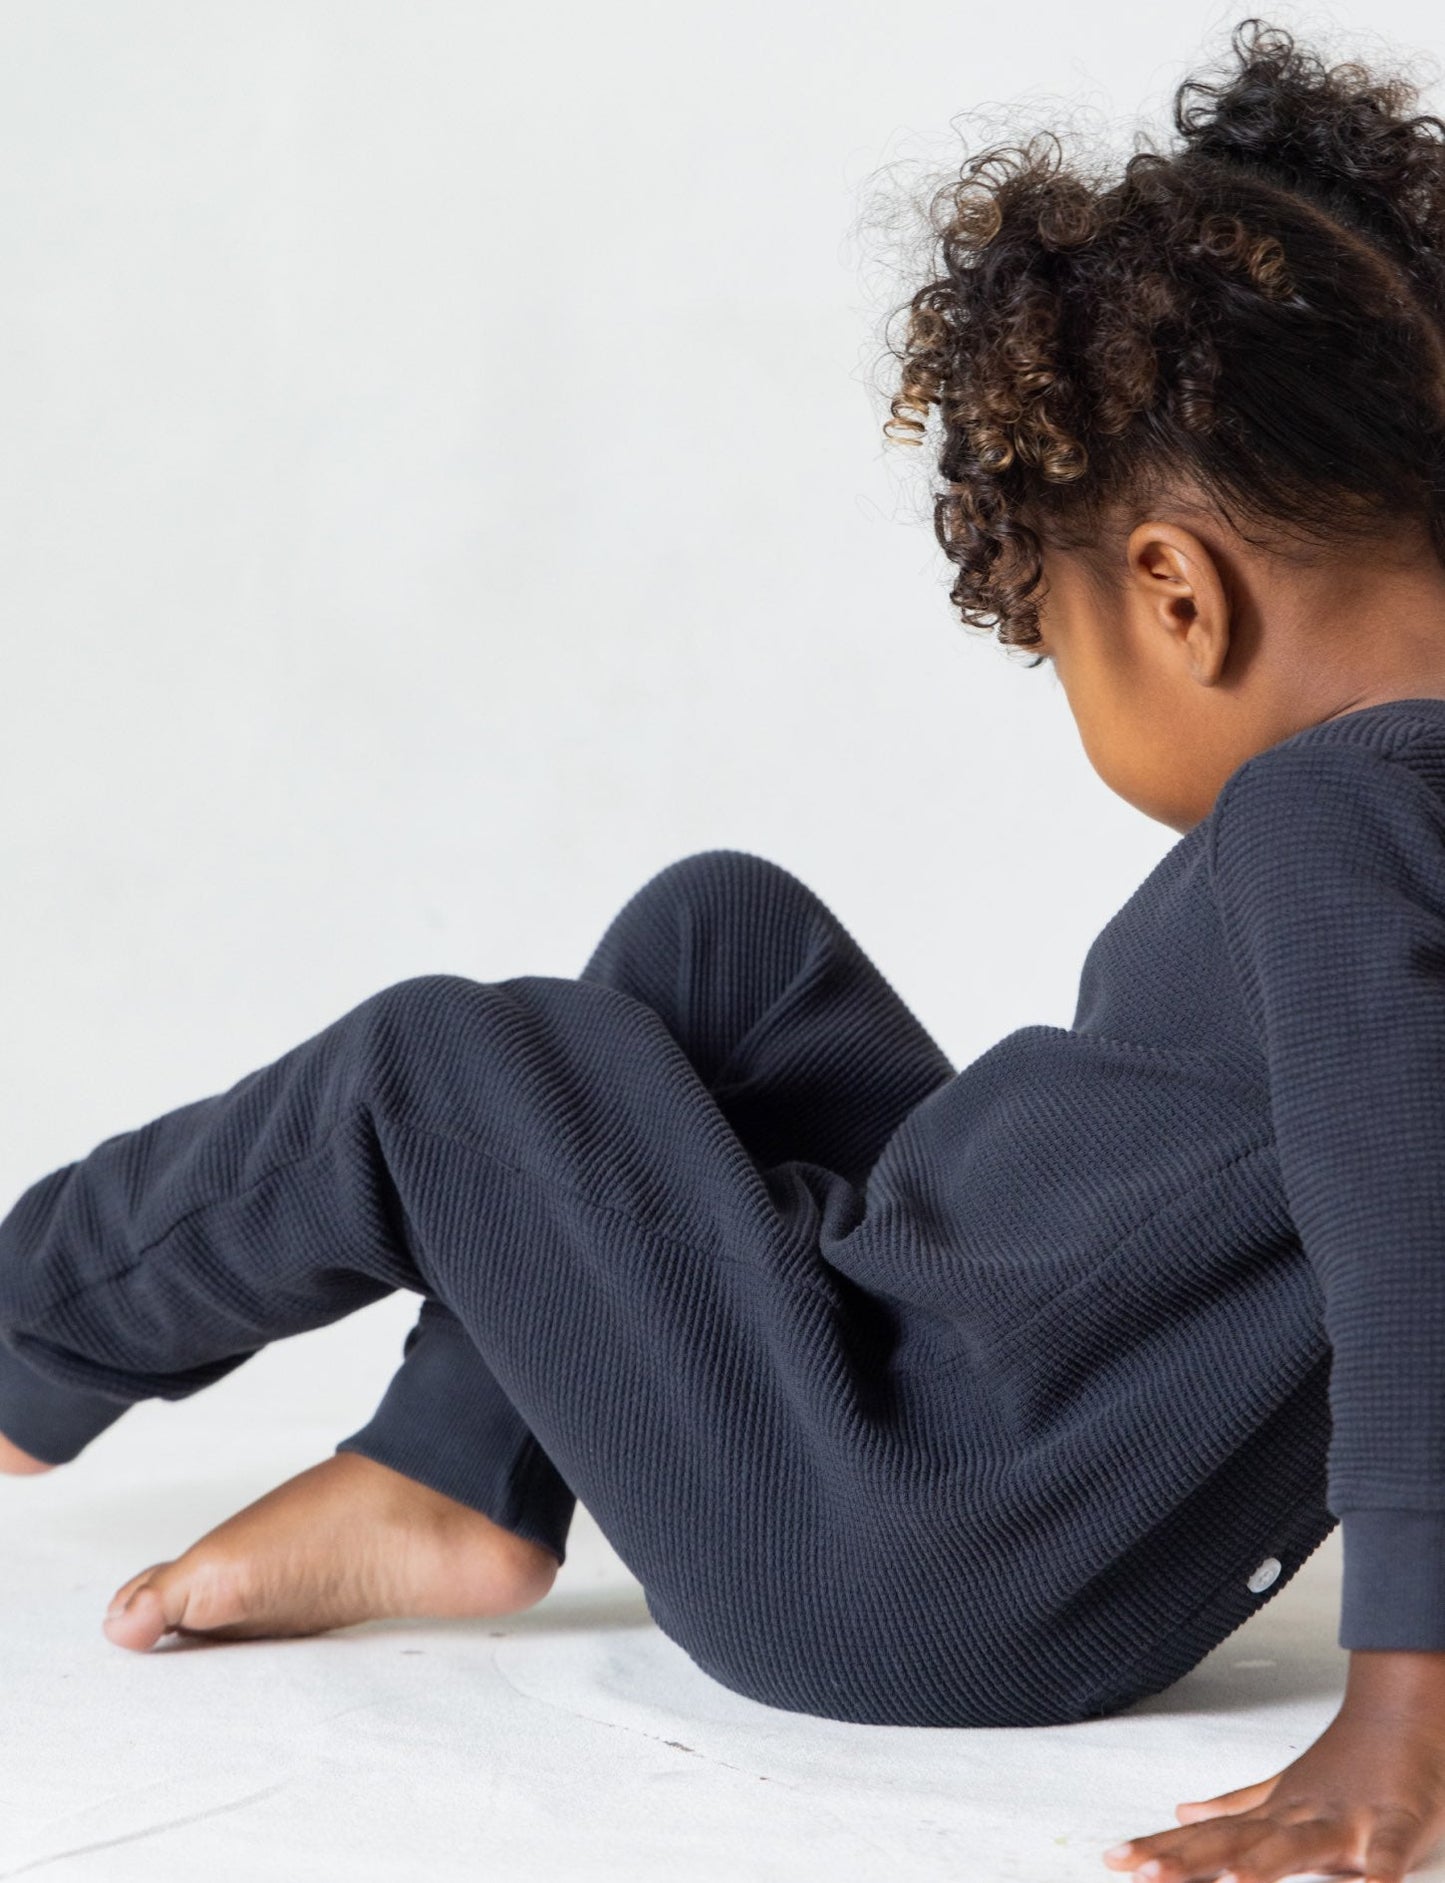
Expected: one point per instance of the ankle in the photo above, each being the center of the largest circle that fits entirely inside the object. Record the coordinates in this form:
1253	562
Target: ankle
15	1463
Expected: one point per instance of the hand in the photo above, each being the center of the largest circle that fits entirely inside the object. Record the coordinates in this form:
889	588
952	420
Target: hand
1368	1796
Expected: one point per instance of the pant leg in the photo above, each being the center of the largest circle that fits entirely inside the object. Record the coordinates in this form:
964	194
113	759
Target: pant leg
809	1053
171	1253
109	1290
806	1047
166	1257
445	1421
52	1422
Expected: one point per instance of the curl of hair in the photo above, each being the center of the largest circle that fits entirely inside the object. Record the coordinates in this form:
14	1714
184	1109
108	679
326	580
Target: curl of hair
1250	321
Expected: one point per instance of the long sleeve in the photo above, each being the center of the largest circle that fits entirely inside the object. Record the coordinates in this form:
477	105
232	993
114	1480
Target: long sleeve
1328	866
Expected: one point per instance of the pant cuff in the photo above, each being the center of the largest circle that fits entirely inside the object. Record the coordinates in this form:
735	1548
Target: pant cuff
446	1422
51	1422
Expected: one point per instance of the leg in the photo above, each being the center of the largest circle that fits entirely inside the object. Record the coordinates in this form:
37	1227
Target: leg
445	1422
168	1255
499	1148
15	1463
808	1052
115	1285
804	1045
346	1541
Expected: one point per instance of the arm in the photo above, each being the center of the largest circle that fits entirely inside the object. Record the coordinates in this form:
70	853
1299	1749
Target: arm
1328	865
1329	873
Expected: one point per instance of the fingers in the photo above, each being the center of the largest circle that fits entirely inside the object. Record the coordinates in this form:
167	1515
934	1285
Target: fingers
1392	1850
1201	1851
1245	1799
1310	1844
1234	1849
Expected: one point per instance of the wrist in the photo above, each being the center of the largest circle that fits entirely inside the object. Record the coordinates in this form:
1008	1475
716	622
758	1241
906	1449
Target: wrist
1409	1683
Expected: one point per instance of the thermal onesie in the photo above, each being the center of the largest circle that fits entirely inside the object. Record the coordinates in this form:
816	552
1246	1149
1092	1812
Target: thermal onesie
911	1394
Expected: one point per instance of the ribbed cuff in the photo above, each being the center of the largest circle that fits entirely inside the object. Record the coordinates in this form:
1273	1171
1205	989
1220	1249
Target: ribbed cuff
446	1422
1394	1580
53	1423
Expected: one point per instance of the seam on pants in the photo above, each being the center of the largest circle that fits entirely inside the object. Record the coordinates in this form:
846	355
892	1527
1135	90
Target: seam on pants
139	1256
548	1183
649	1233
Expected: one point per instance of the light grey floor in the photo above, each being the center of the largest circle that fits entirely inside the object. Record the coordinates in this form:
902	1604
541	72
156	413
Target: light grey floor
573	1741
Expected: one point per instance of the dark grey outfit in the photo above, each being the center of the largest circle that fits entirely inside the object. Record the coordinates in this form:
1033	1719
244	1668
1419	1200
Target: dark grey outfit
911	1395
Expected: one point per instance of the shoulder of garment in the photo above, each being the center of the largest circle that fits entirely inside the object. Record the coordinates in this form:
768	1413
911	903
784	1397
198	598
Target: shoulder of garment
1325	854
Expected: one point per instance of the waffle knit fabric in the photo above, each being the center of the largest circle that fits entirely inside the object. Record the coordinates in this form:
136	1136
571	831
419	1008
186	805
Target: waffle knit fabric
911	1395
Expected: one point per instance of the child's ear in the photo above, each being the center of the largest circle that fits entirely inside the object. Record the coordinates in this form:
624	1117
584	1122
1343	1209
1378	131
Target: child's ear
1178	584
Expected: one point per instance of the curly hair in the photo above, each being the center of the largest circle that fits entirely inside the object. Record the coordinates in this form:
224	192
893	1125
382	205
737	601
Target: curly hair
1250	322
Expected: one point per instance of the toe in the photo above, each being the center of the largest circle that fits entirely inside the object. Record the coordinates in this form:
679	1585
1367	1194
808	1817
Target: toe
140	1620
128	1589
198	1594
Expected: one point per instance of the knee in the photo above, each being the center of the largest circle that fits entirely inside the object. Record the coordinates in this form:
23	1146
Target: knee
729	872
421	998
722	892
418	1048
421	1021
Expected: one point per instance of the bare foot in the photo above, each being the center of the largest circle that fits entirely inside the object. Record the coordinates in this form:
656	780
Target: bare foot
15	1463
347	1541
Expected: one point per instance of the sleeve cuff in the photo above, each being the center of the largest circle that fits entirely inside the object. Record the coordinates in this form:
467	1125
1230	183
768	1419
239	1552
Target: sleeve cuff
1394	1580
53	1423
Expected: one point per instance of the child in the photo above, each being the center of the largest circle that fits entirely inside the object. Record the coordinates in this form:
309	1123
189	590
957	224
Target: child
915	1395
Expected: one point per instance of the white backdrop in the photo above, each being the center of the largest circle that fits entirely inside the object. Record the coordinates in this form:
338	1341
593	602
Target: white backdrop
441	482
